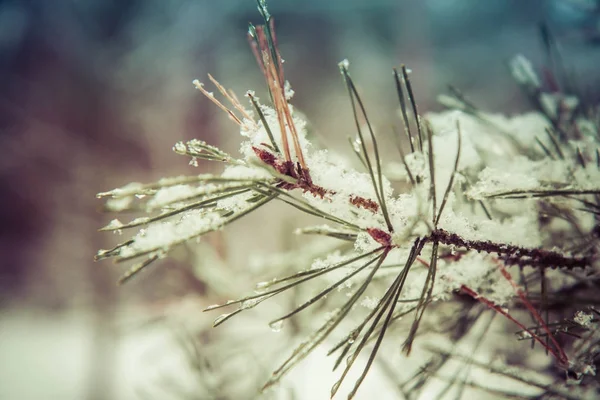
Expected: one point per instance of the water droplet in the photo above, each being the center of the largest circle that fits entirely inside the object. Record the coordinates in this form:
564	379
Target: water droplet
249	303
349	359
262	285
335	387
276	325
220	319
353	335
271	384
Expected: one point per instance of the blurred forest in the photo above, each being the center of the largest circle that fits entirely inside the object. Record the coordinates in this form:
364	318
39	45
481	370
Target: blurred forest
94	93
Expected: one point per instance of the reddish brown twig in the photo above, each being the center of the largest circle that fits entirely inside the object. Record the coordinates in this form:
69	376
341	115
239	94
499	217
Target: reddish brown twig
367	204
511	254
561	356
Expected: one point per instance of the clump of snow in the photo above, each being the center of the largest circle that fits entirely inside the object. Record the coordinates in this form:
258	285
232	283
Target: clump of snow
127	190
180	147
364	243
258	134
343	183
289	92
520	174
245	172
479	273
417	163
583	319
235	203
119	203
587	178
114	225
171	194
523	72
162	236
493	136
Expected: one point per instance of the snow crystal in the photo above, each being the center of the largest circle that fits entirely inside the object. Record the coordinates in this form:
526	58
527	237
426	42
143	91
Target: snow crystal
289	92
365	243
180	147
370	302
583	319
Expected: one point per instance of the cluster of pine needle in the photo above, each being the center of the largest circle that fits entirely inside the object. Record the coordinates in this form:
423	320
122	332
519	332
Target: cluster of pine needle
436	260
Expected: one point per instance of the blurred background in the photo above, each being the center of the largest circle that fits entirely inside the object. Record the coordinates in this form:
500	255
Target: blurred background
93	95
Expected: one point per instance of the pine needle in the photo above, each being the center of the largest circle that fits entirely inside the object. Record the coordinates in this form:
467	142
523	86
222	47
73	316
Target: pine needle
451	181
377	183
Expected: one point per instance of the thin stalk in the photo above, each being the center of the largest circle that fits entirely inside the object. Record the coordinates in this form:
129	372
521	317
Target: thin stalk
451	181
377	183
403	112
413	103
264	122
